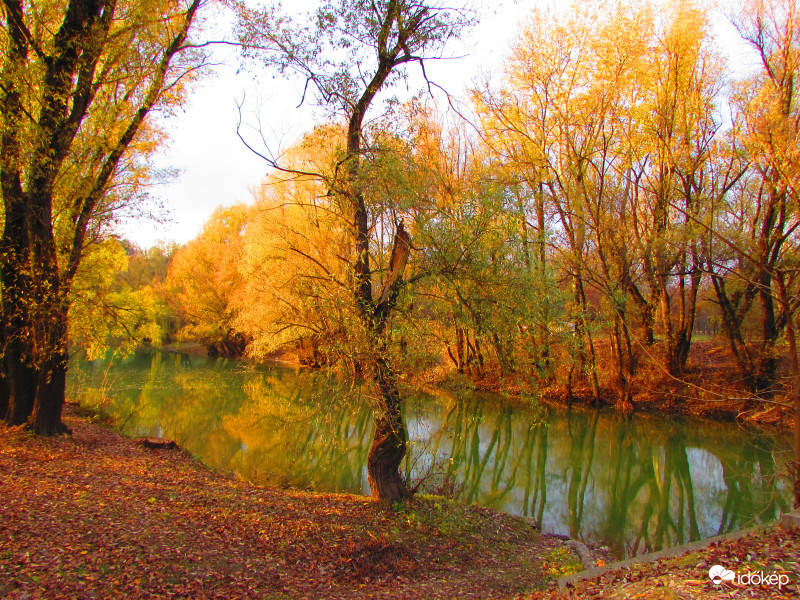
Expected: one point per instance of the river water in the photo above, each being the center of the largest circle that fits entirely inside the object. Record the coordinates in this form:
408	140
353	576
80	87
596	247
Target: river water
636	484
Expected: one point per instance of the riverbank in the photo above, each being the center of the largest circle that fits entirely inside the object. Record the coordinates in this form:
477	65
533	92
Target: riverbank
764	564
710	387
95	514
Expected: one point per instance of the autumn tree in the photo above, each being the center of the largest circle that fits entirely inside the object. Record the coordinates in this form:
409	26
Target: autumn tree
563	120
113	306
608	115
672	173
771	118
203	281
768	120
296	284
489	294
349	53
78	80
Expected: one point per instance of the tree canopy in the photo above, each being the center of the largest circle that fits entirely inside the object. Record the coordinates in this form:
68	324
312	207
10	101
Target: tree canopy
79	79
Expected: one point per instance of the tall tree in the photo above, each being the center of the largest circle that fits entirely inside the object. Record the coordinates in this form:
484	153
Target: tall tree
350	53
771	113
672	160
564	117
78	80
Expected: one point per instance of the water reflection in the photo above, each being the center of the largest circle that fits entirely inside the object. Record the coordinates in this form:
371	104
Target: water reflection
637	483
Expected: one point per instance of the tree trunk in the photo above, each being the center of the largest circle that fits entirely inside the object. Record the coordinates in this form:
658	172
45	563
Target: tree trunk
389	445
52	380
791	338
587	356
733	309
46	416
768	363
688	314
19	373
5	390
21	385
15	277
624	367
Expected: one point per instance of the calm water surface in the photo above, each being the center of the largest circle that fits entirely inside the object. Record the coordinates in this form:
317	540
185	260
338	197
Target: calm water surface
636	484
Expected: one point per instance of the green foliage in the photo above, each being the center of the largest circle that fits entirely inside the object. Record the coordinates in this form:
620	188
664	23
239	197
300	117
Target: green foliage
77	81
561	561
112	307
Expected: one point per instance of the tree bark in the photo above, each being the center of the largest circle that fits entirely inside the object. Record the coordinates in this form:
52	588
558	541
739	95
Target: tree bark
587	356
624	362
5	390
389	444
16	324
21	384
52	379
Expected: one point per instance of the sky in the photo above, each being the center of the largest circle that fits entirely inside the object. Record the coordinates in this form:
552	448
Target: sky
216	169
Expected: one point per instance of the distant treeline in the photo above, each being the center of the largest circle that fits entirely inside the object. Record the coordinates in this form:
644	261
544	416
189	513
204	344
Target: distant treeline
614	195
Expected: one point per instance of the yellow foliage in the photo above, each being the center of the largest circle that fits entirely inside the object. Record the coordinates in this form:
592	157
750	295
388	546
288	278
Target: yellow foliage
203	280
103	313
296	263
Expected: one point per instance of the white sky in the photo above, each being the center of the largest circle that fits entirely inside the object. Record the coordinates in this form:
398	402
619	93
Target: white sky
217	169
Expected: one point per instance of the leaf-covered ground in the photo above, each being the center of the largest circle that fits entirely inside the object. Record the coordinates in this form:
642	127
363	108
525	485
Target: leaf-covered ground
772	552
95	515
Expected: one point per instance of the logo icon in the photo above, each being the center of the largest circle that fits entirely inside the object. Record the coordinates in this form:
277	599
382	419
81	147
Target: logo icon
718	574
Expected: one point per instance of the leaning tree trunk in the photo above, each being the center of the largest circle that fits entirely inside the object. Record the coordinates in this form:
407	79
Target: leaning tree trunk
389	445
399	26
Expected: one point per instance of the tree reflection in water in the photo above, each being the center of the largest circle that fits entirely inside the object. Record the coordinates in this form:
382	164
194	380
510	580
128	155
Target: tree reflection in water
637	483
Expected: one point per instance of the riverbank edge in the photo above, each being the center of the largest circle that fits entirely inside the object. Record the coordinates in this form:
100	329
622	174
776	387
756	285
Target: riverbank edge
780	424
671	552
762	562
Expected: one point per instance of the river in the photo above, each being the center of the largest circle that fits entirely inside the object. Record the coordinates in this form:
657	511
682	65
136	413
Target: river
637	483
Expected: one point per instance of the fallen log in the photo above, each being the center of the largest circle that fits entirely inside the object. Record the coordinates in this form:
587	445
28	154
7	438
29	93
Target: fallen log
158	443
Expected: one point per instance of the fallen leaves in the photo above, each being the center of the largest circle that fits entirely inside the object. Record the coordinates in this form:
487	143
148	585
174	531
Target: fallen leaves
95	515
772	551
